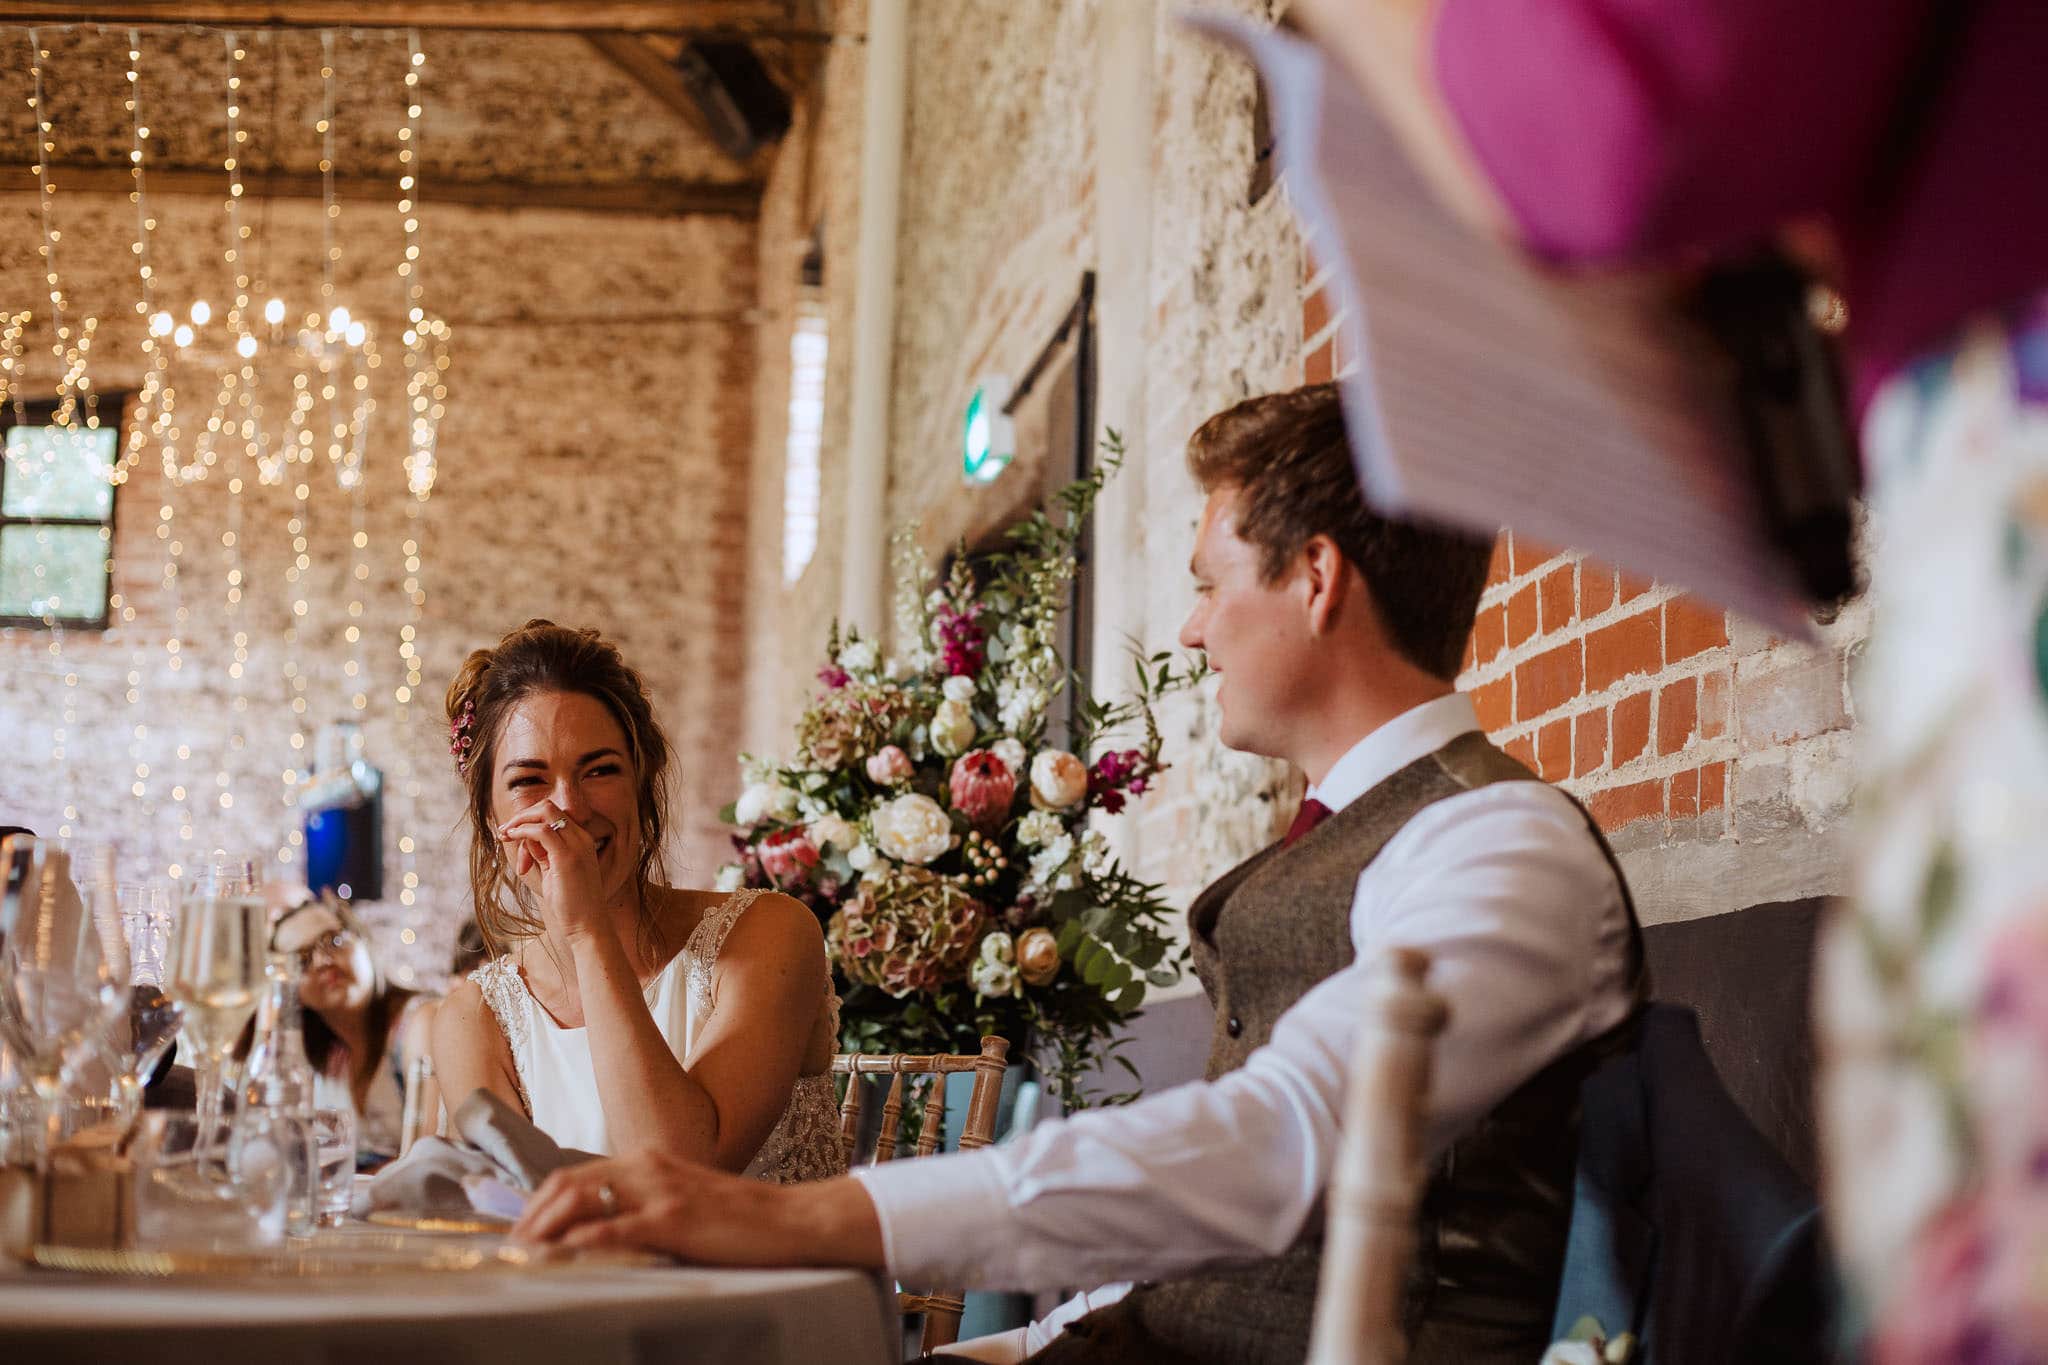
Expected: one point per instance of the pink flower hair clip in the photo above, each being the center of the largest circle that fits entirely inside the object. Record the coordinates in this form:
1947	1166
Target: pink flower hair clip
459	738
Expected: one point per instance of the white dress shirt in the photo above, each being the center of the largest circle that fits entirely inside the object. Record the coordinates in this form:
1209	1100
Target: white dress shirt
1524	922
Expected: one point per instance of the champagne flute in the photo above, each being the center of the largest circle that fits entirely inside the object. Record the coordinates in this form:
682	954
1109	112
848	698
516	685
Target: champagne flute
219	949
148	910
58	993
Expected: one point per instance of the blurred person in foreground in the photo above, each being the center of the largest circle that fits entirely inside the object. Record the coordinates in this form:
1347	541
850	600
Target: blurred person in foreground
1898	146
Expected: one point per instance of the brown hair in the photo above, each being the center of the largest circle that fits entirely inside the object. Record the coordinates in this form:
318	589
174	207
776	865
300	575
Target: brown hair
1287	455
540	657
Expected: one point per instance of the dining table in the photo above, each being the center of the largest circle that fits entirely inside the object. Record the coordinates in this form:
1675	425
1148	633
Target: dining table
370	1295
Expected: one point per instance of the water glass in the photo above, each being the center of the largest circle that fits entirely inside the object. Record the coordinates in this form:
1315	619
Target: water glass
206	1186
334	1145
58	992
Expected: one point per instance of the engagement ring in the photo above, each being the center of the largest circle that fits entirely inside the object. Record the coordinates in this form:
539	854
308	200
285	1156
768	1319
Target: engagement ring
608	1199
556	825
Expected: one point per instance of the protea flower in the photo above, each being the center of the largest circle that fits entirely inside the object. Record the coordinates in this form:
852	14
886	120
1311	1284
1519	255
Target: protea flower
983	787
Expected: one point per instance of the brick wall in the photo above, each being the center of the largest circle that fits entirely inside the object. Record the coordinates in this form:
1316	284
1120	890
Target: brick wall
585	476
1718	758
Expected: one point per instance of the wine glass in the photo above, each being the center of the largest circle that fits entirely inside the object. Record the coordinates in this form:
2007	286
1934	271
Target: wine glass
58	993
148	910
219	948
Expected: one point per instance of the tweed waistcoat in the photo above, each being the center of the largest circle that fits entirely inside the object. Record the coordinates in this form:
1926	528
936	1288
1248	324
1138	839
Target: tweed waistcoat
1497	1208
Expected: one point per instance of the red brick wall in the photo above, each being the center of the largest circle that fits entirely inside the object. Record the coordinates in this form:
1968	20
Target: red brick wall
1646	703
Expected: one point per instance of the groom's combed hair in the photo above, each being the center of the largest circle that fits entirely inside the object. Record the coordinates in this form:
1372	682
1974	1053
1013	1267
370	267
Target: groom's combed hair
1287	453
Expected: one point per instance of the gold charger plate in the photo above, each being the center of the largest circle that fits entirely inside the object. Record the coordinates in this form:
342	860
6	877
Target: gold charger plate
370	1254
439	1222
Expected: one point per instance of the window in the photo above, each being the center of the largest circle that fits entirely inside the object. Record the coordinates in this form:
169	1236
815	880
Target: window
56	521
807	348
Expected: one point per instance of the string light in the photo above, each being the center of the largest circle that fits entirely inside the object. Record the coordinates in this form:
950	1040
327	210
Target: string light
425	342
145	417
237	385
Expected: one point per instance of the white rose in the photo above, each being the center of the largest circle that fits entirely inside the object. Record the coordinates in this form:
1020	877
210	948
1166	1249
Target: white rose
912	829
860	857
952	728
1058	779
993	978
764	801
1012	753
1039	828
859	656
834	830
959	688
997	946
730	878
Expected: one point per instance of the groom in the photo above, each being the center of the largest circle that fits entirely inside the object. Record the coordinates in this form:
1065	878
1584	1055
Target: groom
1336	634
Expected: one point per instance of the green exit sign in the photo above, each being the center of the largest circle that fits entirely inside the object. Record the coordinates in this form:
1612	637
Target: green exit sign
989	439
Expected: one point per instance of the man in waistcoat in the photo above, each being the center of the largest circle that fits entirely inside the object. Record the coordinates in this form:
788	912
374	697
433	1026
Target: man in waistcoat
1337	634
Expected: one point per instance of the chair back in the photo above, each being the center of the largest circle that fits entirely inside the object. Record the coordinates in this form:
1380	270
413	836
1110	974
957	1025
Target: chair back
941	1307
1369	1237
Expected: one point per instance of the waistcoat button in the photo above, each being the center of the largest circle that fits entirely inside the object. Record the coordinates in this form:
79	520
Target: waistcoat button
1233	1026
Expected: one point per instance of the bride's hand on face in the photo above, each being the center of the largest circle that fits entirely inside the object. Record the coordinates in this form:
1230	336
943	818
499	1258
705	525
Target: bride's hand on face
557	859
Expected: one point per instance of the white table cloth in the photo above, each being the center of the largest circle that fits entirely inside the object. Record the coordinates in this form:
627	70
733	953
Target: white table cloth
554	1316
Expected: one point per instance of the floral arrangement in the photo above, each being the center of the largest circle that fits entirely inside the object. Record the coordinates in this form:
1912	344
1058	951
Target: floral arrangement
937	822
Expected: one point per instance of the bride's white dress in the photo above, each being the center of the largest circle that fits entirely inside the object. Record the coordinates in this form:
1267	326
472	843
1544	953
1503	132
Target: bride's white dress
559	1086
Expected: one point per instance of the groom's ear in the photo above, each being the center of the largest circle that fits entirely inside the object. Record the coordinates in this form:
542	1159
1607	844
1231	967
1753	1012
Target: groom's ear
1327	575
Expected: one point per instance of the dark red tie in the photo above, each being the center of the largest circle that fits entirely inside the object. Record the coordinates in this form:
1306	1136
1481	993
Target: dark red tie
1311	814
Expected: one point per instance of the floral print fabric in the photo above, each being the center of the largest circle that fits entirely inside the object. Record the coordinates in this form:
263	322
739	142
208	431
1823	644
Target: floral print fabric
1934	983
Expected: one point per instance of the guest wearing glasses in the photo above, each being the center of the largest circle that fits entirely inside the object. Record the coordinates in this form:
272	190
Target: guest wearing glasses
622	1013
1337	634
362	1032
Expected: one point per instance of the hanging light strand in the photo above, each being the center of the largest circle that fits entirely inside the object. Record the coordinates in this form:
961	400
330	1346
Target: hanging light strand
420	471
140	426
146	416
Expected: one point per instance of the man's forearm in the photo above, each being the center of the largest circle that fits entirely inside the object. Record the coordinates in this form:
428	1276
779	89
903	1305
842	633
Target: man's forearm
831	1222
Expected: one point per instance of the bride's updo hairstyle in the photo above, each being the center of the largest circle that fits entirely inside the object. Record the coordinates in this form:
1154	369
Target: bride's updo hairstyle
542	657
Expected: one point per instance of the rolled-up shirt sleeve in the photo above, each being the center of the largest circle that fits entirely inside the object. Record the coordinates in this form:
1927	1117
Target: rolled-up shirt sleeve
1522	915
1618	129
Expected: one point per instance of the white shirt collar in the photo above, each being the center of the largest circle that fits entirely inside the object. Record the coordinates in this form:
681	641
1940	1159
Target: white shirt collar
1415	732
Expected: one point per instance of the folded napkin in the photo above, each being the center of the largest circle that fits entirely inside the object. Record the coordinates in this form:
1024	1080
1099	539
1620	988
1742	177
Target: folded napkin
496	1147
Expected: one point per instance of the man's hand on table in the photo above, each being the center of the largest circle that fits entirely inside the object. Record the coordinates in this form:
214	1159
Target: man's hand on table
662	1203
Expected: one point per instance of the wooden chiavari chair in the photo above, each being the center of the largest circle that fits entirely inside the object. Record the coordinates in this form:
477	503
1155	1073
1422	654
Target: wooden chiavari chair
1369	1236
941	1307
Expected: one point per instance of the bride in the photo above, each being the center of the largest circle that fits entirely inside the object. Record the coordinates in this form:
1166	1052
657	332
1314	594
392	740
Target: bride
620	1013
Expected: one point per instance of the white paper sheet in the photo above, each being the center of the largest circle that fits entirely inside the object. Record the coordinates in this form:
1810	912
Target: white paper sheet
1577	410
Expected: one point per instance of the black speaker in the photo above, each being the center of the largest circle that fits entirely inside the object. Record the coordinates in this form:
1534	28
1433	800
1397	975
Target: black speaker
744	106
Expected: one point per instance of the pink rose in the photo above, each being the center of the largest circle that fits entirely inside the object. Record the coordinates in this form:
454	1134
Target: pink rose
889	765
788	856
983	789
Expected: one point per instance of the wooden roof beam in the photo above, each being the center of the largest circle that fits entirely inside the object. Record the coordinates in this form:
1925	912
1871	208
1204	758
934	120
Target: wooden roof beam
645	198
532	16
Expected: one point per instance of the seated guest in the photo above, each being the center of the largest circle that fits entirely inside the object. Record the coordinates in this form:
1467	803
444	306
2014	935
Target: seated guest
362	1032
622	1013
1336	634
